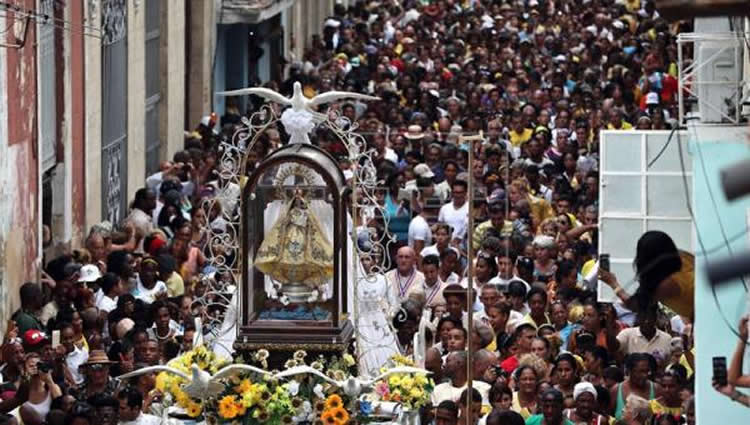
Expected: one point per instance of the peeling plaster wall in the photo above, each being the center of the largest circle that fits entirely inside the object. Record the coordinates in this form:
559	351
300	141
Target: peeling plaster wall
19	200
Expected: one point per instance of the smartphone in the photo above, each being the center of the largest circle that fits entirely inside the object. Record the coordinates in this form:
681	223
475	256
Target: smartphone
604	262
55	338
720	370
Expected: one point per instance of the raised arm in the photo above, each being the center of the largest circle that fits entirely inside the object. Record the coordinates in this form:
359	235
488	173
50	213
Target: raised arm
734	374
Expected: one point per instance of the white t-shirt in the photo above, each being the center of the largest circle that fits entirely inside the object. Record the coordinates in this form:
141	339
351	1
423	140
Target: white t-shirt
149	295
419	230
446	391
107	304
456	218
74	360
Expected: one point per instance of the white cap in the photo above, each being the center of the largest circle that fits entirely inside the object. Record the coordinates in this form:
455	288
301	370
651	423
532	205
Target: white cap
89	273
423	171
333	23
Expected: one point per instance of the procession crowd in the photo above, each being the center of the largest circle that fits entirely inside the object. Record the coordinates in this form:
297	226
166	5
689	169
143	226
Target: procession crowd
537	80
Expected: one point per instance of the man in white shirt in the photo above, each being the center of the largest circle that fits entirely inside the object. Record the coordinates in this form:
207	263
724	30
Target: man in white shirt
646	338
74	356
454	368
405	279
433	286
111	289
419	233
456	212
131	406
140	214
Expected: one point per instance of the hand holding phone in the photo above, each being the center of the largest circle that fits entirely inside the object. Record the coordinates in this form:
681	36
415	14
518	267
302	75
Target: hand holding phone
604	262
720	370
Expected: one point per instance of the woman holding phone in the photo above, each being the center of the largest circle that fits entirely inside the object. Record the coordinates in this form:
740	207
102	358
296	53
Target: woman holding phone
735	378
42	390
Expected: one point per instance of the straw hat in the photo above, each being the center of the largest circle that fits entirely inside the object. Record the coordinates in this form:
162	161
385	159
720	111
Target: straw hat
414	132
98	357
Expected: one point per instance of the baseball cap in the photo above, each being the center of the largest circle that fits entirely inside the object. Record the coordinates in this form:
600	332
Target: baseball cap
89	273
33	338
424	171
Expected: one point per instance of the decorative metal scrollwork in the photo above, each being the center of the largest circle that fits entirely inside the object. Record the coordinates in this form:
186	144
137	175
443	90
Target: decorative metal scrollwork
114	21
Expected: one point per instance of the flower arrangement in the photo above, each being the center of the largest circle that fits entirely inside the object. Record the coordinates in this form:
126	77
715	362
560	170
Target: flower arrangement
254	398
171	385
411	390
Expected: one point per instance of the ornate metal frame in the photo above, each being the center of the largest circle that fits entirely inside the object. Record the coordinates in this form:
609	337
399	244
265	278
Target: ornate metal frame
223	246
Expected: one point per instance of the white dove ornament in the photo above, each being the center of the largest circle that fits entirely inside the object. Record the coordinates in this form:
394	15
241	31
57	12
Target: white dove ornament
300	119
201	385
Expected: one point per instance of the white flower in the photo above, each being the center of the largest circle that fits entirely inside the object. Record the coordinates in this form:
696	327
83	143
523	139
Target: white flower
284	300
307	406
318	391
292	387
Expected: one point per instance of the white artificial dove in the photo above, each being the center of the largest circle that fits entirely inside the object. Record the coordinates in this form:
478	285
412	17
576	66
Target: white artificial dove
201	385
299	102
352	386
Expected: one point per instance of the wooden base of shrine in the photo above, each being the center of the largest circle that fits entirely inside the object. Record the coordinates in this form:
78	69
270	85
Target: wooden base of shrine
283	339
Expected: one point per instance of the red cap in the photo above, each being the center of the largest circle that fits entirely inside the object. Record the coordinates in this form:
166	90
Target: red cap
34	337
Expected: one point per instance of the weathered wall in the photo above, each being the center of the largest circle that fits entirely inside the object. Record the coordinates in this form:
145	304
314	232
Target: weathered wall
93	113
172	68
18	166
136	97
202	33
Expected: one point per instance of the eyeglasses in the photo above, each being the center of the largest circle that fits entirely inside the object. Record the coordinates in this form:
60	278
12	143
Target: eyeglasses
98	367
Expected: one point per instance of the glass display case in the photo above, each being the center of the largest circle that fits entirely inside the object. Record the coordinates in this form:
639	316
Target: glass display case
294	239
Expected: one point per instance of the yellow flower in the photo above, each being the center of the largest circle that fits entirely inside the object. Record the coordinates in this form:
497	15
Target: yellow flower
194	409
228	407
182	399
328	418
394	380
334	402
420	380
416	393
407	383
341	415
348	359
244	387
162	381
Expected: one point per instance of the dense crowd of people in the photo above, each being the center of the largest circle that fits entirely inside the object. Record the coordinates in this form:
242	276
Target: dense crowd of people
538	79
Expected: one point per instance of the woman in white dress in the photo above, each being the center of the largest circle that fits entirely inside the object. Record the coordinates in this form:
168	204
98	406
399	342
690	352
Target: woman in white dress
376	304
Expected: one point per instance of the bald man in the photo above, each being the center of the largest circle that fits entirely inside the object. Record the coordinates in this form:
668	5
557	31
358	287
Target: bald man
405	279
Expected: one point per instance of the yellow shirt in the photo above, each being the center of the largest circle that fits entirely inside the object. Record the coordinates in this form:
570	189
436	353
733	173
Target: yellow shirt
623	126
658	409
683	304
482	229
517	139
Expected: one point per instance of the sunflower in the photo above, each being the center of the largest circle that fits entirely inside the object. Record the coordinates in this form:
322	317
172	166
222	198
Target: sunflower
328	418
265	395
228	407
299	355
320	406
341	415
263	416
296	402
286	420
194	409
334	402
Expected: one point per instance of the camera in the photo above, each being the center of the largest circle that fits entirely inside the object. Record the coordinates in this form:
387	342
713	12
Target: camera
44	367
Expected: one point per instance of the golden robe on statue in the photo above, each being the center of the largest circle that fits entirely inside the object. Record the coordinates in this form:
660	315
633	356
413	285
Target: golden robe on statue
296	250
